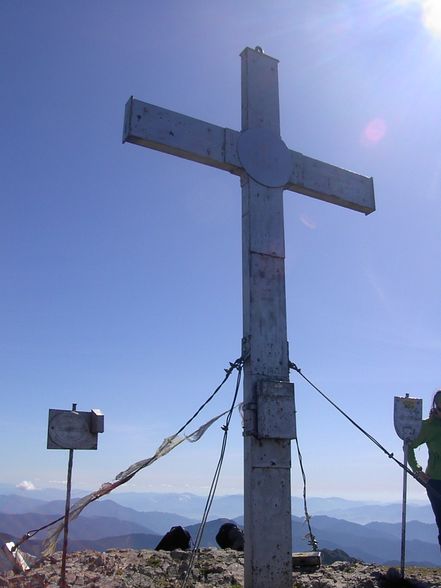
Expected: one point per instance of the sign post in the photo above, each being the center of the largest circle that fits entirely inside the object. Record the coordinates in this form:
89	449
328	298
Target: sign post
72	430
408	414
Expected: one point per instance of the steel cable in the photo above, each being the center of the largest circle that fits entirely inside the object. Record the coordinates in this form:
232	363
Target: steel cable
228	371
368	435
311	537
211	494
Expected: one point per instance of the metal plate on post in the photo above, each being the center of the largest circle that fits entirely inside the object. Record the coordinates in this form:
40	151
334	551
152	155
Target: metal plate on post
265	157
69	429
275	410
408	414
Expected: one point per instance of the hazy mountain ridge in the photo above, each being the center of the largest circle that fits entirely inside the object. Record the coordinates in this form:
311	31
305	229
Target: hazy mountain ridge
192	505
373	544
84	527
107	523
155	521
414	530
387	513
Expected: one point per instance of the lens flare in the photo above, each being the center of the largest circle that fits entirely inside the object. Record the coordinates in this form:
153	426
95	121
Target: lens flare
307	221
374	131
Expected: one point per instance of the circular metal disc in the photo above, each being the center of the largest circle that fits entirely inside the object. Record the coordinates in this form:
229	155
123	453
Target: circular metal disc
265	157
68	430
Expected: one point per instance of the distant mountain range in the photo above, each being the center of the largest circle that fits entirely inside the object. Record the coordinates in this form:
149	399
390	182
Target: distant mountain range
116	523
191	505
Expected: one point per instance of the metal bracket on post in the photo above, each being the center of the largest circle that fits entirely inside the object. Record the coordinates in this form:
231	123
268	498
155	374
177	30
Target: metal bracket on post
275	410
245	347
249	410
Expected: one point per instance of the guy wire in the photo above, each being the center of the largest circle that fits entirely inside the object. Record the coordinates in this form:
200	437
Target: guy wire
311	537
228	371
370	437
216	476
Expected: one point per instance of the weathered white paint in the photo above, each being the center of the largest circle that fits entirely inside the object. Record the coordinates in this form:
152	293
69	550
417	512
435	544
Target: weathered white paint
331	184
177	134
266	166
196	140
267	459
408	415
275	410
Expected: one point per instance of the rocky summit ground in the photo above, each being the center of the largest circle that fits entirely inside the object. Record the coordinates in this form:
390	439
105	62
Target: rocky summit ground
214	568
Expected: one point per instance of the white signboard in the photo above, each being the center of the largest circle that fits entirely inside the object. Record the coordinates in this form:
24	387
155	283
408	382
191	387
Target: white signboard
408	414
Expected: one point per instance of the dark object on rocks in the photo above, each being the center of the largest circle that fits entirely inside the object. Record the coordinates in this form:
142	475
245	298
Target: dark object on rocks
392	579
393	575
230	536
176	538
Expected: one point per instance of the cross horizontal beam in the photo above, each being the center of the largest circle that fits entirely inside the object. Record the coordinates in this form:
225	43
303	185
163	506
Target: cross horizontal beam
331	184
177	134
181	135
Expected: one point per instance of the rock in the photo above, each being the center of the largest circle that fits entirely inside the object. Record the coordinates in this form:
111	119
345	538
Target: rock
329	556
213	568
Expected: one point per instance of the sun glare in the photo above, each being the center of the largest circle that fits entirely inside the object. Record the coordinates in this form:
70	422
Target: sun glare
430	13
432	16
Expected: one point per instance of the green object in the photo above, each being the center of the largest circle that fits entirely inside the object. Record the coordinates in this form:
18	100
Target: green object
431	435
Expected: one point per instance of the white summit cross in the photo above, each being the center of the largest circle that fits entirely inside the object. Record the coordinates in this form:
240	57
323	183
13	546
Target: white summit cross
266	167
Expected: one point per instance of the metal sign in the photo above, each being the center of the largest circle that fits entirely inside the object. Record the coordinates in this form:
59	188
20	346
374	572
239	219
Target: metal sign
408	414
73	429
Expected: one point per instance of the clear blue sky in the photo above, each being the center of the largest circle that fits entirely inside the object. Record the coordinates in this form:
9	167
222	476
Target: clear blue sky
120	267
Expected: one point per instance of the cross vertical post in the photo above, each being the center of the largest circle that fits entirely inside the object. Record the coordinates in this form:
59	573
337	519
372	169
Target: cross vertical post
267	461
